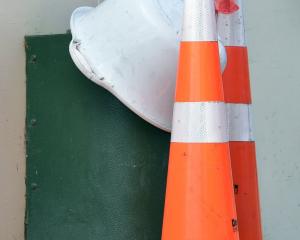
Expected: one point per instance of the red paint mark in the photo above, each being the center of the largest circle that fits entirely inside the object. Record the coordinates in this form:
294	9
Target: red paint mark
226	6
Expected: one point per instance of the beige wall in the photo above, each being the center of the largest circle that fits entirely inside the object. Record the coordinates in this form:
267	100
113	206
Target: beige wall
273	35
18	18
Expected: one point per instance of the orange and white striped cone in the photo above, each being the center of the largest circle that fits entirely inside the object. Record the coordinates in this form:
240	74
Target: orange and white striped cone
237	93
199	198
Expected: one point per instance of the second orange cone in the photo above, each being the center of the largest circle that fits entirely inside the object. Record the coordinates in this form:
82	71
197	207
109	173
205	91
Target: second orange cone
199	199
237	92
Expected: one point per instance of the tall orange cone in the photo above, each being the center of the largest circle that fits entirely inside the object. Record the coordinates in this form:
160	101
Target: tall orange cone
199	198
242	146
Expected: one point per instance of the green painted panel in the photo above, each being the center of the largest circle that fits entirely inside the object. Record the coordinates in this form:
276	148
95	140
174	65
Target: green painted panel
94	169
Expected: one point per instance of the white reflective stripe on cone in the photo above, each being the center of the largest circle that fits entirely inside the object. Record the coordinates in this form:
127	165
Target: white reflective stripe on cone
199	15
231	27
200	122
240	122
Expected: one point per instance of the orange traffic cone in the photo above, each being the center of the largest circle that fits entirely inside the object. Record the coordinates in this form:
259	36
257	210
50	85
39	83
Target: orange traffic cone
199	199
242	147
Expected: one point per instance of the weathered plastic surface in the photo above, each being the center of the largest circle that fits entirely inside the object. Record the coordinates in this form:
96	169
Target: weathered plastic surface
130	47
95	170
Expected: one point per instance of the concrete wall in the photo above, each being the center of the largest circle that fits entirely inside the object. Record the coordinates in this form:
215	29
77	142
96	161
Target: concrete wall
273	37
18	18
